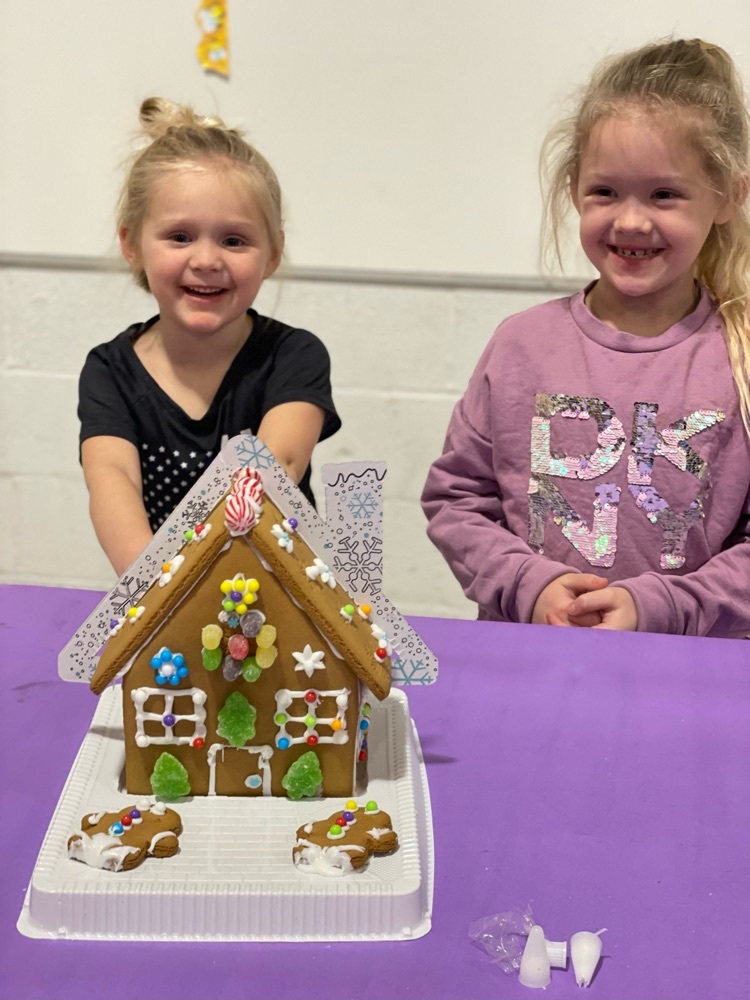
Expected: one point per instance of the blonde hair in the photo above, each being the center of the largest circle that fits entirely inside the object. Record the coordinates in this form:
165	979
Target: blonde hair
697	84
177	136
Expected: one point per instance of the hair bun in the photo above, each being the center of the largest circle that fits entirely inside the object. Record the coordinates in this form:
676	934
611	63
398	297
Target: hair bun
157	114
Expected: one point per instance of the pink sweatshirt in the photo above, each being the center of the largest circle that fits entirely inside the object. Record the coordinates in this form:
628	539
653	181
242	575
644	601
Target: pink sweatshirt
578	447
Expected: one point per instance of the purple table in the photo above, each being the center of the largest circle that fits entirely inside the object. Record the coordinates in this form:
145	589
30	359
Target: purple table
611	789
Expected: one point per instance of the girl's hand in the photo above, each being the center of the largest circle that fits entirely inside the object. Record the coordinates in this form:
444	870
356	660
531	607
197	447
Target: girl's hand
614	605
554	602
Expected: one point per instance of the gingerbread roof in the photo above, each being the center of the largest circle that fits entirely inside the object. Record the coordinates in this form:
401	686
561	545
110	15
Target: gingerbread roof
244	516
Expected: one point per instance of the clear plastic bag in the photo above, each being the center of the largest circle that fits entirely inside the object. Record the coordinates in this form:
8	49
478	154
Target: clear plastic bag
503	936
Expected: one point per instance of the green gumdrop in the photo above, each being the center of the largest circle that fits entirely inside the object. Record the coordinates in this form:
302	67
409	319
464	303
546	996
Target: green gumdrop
250	669
304	777
211	658
169	779
237	720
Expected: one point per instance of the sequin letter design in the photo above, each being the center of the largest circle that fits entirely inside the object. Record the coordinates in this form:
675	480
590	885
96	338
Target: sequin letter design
647	444
597	544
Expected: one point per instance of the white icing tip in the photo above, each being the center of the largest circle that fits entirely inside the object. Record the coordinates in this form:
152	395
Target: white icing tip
534	971
585	951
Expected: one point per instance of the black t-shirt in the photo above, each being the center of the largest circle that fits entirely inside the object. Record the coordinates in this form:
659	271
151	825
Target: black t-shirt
117	397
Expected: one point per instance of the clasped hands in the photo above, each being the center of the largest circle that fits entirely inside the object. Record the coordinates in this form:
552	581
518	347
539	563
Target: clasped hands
586	601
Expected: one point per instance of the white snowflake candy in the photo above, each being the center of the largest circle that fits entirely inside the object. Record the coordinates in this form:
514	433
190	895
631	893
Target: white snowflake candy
319	571
285	542
309	661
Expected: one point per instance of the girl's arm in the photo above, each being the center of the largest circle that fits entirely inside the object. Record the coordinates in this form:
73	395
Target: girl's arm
496	568
113	476
291	431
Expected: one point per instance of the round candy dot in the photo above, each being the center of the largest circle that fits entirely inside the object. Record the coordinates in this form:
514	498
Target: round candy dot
362	755
235	596
340	821
292	522
166	655
200	528
336	725
155	662
179	660
364	724
126	820
349	609
310	697
348	816
380	653
279	718
351	805
312	739
253	586
365	709
241	608
335	830
365	609
371	807
238	647
283	743
226	586
161	679
117	829
132	612
174	680
182	672
168	720
135	813
165	567
310	721
189	534
228	605
198	742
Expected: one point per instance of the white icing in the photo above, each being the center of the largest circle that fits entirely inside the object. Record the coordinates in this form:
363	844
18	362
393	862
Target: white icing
217	751
333	861
285	698
127	618
100	851
158	809
168	698
378	832
160	836
94	818
168	575
199	537
281	533
319	571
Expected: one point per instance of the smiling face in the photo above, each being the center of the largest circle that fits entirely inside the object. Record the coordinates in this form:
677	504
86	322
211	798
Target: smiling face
646	206
204	247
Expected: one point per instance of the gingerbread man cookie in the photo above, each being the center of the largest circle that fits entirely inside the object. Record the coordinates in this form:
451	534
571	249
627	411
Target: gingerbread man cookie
119	841
345	841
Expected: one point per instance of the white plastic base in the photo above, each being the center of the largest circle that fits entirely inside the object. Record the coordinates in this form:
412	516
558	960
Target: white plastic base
233	878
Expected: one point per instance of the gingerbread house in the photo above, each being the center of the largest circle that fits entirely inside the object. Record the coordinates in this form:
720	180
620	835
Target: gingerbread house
246	667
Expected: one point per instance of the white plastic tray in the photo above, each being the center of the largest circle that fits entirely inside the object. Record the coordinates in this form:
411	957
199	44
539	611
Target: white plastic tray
233	878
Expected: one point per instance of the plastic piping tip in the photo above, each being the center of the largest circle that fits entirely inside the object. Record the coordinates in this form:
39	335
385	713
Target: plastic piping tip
585	951
534	970
557	953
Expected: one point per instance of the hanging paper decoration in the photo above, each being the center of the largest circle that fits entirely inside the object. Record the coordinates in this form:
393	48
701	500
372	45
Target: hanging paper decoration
213	48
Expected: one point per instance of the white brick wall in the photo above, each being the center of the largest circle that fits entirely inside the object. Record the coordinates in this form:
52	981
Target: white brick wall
401	357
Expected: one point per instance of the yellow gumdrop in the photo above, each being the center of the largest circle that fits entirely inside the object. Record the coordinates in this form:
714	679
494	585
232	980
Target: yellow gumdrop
211	636
265	657
266	637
